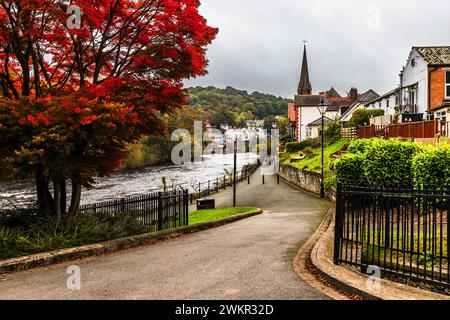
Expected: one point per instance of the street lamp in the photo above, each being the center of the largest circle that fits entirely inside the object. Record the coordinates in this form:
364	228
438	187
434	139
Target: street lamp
322	110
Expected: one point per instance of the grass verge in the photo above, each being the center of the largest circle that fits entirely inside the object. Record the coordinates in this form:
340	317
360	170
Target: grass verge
216	214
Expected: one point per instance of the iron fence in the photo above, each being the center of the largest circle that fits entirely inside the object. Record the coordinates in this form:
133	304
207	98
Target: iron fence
158	211
403	231
207	188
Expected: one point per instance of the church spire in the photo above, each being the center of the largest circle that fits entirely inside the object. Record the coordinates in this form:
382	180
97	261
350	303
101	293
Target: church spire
304	87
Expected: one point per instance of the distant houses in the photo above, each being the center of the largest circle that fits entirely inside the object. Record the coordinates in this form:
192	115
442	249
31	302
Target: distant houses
423	94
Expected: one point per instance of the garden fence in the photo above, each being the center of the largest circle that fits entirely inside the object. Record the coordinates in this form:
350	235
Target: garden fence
402	231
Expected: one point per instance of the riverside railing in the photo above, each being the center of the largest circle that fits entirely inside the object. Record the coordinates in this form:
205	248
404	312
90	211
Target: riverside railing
165	210
158	211
402	231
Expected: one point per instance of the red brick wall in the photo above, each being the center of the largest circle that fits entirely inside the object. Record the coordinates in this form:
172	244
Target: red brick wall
437	87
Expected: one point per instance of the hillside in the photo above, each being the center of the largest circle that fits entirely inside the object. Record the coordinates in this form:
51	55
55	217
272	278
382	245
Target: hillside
234	106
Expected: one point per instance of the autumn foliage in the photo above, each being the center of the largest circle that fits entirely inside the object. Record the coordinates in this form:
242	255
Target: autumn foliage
71	99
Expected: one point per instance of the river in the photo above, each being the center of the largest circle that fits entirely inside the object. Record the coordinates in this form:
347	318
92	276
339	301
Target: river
135	182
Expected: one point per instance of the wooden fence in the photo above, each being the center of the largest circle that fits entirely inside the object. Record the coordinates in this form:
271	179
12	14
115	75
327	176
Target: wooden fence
408	130
349	133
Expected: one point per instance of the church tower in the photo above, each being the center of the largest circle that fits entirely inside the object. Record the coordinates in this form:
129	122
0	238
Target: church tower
304	87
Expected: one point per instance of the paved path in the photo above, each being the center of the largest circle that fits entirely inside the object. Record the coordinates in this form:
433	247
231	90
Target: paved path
250	259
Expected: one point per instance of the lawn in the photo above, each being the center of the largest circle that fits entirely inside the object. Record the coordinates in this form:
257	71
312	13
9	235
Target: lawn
313	161
216	214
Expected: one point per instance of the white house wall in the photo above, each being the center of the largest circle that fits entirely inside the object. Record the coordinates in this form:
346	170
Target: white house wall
417	74
307	116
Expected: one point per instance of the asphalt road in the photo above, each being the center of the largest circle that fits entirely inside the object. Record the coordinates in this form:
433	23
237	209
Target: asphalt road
250	259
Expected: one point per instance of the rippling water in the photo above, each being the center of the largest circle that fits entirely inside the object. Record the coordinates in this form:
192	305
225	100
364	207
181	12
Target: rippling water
134	182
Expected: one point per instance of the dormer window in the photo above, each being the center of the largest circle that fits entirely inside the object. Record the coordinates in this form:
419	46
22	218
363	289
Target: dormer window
413	62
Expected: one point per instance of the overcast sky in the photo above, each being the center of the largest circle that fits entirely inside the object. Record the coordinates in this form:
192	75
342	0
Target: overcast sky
357	43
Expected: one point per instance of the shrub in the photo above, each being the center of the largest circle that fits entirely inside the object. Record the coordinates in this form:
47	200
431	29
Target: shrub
432	167
362	117
359	145
20	235
332	132
295	147
389	162
349	169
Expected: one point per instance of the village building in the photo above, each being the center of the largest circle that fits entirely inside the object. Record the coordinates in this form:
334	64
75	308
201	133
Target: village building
360	103
304	113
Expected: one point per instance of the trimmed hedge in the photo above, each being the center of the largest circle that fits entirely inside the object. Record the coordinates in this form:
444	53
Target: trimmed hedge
378	162
295	147
350	169
390	162
359	145
432	167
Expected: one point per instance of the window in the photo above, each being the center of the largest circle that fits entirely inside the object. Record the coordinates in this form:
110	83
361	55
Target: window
441	115
387	104
447	84
308	132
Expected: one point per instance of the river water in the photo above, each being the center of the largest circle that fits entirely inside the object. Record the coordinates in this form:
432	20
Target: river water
135	182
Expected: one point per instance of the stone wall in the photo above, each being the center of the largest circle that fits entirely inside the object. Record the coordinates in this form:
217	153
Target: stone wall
304	179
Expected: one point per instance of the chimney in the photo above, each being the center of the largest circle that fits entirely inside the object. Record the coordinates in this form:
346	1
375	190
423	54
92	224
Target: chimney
353	95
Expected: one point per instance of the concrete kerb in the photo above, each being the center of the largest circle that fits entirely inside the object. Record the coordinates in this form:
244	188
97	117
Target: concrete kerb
65	255
354	282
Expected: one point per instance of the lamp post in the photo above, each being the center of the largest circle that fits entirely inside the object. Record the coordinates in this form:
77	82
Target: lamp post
234	172
322	110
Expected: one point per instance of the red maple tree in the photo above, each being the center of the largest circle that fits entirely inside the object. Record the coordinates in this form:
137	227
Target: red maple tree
71	99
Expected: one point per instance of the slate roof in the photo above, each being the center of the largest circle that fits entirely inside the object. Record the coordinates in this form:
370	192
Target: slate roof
363	98
308	100
388	94
435	55
318	122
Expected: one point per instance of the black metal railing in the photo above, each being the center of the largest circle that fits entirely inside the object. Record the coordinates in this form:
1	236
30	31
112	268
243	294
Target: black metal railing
209	187
158	211
402	231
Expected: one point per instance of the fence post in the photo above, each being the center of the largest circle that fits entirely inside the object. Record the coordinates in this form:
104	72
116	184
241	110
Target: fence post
209	188
186	208
338	224
160	211
199	190
263	179
122	205
248	178
278	178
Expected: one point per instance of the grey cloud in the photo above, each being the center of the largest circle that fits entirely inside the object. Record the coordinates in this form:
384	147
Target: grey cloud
259	43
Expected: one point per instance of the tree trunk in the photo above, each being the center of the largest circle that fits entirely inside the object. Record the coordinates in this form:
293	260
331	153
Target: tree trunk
43	194
76	197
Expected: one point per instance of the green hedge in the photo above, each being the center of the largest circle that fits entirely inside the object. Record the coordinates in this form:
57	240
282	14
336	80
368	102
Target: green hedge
349	169
432	167
362	117
295	147
378	162
390	162
359	145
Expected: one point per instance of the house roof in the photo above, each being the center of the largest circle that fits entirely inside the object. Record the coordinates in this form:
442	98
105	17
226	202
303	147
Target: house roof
387	94
362	99
308	100
318	122
439	55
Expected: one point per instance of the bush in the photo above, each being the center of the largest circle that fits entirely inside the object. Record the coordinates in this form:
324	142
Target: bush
432	167
359	145
349	169
362	117
332	132
21	236
295	147
390	162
